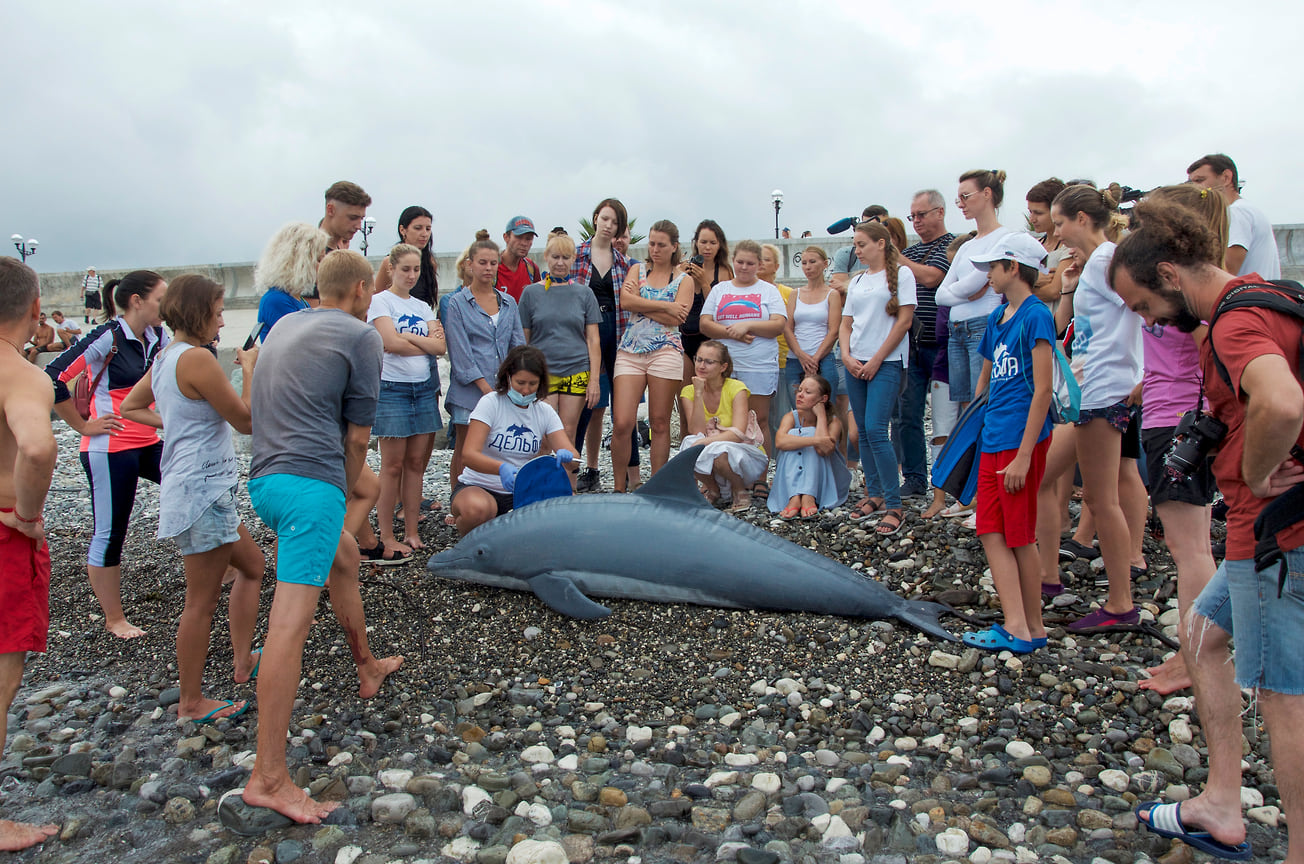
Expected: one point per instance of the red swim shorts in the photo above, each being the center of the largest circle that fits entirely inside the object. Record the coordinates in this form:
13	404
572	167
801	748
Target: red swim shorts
1013	515
24	592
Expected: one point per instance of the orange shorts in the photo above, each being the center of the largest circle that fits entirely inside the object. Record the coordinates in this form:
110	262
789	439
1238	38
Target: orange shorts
24	592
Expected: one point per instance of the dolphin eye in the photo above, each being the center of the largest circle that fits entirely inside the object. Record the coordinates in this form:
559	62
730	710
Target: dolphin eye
479	552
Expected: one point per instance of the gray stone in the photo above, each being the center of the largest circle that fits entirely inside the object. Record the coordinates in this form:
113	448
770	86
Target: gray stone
72	765
288	850
393	808
247	821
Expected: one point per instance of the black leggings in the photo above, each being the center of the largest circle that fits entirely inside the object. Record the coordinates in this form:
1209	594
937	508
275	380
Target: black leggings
113	478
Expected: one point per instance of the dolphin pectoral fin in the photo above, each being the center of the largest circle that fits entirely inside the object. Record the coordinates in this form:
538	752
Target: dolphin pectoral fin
676	482
923	616
562	595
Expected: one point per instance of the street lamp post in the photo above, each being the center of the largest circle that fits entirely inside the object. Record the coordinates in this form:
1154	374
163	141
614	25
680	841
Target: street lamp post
25	249
368	225
777	196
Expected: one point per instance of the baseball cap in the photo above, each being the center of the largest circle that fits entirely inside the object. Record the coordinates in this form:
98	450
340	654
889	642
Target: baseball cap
1018	247
89	269
520	226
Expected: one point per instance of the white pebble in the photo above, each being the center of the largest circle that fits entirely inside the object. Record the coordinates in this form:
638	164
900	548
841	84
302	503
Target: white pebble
344	757
741	760
767	782
1268	815
537	852
905	744
538	753
1180	731
638	734
1112	778
1251	797
952	841
116	692
348	854
394	778
1018	832
463	849
472	796
981	855
1019	749
721	778
569	762
834	784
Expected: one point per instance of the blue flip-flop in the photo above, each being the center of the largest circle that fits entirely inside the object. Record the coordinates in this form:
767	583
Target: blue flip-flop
997	638
1166	821
253	676
211	716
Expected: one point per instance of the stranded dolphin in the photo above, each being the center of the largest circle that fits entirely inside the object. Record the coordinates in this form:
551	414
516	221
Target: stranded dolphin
665	544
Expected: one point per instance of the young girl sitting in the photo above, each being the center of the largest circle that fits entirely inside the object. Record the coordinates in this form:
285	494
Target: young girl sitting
810	473
717	411
1016	350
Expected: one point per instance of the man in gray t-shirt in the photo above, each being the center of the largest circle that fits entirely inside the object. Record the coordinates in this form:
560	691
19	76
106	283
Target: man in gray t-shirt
314	399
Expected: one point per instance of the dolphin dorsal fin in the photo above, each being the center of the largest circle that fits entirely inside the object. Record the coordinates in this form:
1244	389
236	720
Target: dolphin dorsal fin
675	481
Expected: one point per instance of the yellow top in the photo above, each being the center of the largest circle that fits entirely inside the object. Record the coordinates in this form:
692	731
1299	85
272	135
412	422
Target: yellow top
724	413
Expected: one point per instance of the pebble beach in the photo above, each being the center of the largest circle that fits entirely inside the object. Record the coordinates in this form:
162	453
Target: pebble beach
664	733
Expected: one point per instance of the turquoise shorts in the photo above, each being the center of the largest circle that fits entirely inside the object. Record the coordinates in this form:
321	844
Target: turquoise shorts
307	516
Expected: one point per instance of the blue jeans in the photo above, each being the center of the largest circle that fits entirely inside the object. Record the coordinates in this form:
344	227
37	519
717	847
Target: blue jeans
792	375
908	420
963	357
872	403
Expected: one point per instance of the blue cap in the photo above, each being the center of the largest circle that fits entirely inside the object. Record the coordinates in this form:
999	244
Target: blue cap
520	226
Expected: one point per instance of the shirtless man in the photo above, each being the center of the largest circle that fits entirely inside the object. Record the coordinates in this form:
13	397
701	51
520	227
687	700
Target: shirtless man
313	404
27	457
44	339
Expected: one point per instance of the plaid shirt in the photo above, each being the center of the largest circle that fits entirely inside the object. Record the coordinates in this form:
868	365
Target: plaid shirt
582	271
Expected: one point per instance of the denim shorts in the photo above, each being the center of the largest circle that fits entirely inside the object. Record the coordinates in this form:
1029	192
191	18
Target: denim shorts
216	526
962	356
459	416
307	516
405	409
1118	415
1265	627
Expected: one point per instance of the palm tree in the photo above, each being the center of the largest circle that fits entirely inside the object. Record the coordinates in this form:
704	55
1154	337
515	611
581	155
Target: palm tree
586	231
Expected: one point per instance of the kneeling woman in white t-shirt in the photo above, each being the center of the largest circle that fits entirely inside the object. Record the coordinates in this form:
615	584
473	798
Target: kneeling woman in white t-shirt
506	430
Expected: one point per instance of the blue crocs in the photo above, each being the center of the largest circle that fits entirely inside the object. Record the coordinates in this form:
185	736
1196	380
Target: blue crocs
997	638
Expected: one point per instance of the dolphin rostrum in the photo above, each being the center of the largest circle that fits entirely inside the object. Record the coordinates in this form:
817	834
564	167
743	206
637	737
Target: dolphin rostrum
664	544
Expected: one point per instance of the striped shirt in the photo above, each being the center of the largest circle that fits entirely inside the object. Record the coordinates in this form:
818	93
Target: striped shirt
932	254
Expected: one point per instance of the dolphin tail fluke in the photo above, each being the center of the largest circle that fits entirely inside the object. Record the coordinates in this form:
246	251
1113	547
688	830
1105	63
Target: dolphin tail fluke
924	618
562	595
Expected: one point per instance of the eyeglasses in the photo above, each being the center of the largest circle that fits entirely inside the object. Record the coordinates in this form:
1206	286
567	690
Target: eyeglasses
707	361
919	217
964	196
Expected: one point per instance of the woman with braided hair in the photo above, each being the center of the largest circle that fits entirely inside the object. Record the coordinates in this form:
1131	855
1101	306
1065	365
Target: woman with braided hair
879	311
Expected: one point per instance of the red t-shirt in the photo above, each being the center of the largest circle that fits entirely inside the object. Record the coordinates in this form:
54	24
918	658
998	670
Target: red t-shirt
514	281
1241	336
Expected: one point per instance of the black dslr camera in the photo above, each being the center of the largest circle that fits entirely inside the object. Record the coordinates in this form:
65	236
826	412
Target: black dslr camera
1196	435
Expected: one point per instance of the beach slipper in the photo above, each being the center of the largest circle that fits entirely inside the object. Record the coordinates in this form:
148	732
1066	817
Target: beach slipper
868	508
380	558
789	512
211	716
809	512
1051	589
742	502
887	526
761	491
956	510
1166	821
431	504
253	676
997	638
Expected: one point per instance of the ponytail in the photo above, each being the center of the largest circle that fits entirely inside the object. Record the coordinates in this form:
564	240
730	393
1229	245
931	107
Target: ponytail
118	293
890	259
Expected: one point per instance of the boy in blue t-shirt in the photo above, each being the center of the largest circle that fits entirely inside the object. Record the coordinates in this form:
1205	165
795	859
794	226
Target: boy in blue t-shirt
1017	358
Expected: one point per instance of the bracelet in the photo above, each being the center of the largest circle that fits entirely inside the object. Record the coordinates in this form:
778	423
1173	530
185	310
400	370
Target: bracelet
1067	293
39	518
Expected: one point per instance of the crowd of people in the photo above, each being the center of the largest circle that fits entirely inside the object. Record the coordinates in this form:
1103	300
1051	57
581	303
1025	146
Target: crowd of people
794	385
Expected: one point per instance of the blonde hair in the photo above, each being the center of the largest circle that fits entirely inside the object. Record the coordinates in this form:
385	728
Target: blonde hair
463	265
563	241
340	270
290	260
747	246
1206	203
401	251
775	251
815	250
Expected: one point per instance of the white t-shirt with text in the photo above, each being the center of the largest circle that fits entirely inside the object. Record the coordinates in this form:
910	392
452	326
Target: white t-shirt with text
1106	335
515	435
407	316
730	304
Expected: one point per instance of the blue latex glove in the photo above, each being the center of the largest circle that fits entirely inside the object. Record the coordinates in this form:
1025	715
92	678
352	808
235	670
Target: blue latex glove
563	456
507	473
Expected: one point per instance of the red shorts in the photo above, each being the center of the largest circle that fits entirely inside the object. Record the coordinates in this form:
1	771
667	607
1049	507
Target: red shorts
24	592
1013	515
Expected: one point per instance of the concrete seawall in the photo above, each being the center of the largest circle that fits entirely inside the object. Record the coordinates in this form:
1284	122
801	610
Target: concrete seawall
63	290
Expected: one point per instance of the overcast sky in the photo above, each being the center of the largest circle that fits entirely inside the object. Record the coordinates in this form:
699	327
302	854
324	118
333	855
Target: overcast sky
144	134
